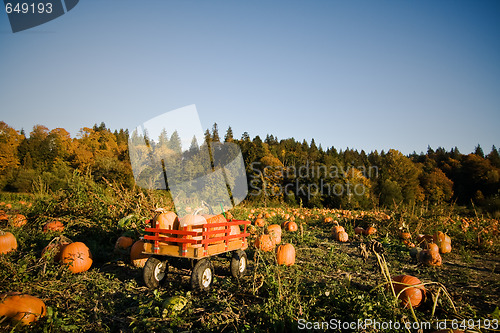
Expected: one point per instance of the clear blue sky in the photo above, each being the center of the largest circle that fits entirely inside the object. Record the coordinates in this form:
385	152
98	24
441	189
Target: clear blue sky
360	74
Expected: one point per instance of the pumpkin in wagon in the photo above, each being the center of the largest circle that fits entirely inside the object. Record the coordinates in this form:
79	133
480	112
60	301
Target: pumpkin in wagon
168	221
219	218
193	223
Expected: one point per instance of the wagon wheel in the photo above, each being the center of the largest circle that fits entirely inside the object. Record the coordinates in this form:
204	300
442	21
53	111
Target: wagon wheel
155	271
202	275
239	263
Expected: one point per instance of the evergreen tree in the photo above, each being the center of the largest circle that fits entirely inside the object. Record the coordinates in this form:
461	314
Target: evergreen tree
229	135
194	148
494	157
175	142
245	137
163	138
479	151
215	133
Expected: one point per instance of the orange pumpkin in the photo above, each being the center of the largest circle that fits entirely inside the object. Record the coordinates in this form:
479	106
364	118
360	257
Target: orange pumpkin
274	230
216	219
21	307
443	242
235	230
286	255
411	296
342	237
193	223
19	220
168	221
408	243
433	247
336	229
291	226
3	216
137	258
77	256
430	256
328	219
405	235
264	243
53	226
123	243
370	231
260	222
8	242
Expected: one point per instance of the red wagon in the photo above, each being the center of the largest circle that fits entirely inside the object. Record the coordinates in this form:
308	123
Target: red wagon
195	245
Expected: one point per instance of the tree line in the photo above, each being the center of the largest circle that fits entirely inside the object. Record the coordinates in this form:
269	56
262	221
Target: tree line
286	170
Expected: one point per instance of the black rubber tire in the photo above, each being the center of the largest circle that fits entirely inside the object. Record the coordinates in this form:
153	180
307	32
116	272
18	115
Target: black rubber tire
239	263
155	272
202	275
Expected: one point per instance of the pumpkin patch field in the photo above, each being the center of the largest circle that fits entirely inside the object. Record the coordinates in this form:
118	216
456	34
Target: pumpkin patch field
69	263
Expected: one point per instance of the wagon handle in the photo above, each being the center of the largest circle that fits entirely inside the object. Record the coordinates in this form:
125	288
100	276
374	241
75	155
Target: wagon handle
223	212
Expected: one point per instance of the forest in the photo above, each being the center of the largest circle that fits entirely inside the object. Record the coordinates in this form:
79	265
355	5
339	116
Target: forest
280	171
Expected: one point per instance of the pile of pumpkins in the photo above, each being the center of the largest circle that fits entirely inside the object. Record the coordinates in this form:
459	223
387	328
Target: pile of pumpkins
432	247
23	308
15	220
285	253
339	233
126	244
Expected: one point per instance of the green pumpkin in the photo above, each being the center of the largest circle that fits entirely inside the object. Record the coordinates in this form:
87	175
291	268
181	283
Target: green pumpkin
173	305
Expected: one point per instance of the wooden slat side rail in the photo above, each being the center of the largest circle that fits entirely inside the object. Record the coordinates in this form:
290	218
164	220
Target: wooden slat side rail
191	252
182	246
172	231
